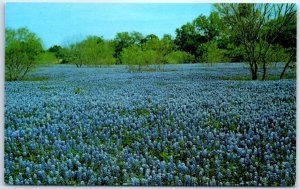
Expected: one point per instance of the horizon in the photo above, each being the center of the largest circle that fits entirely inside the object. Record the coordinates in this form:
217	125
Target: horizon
65	23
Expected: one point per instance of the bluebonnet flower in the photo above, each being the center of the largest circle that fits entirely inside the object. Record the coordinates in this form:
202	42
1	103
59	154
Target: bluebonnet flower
178	182
114	132
11	180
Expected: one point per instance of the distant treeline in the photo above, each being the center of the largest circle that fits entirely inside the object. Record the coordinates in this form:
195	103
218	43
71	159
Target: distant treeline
201	41
257	34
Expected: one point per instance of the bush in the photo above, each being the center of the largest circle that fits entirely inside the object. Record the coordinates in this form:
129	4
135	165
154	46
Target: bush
213	54
138	59
132	56
177	57
58	52
21	50
91	51
46	58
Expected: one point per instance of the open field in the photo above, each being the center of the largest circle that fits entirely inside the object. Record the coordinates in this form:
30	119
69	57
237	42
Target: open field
188	125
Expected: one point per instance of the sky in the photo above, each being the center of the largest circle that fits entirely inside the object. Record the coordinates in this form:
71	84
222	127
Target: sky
65	23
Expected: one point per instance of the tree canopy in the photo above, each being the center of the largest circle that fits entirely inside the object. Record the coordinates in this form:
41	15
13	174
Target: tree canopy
21	49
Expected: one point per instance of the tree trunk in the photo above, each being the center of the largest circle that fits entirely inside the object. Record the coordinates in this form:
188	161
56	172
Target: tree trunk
284	69
254	76
287	65
264	71
254	69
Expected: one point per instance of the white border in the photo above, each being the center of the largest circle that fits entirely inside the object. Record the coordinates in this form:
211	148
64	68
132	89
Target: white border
2	185
157	1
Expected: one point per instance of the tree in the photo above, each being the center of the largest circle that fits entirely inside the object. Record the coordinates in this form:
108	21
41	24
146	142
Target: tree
167	44
133	56
76	54
188	39
287	43
21	49
125	39
179	57
58	52
160	47
192	37
208	27
137	37
93	50
138	58
256	27
213	53
150	37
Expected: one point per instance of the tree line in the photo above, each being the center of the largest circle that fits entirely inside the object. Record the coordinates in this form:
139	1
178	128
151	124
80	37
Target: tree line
257	34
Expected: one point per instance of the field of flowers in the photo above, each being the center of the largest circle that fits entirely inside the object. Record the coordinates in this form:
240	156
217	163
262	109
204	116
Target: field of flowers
188	125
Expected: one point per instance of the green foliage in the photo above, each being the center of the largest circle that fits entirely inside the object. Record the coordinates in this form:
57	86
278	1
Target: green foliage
256	27
152	52
213	54
209	27
91	51
277	54
161	47
234	53
193	35
124	40
164	156
132	55
188	39
21	50
256	33
58	52
138	59
67	55
152	57
77	90
46	58
178	57
36	78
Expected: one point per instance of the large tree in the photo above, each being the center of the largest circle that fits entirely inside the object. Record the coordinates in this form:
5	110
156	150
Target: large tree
256	27
123	40
93	50
192	37
58	52
287	41
188	39
21	49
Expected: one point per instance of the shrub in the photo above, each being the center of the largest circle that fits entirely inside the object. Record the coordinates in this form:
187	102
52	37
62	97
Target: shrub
177	57
132	56
46	58
21	49
138	59
91	51
213	54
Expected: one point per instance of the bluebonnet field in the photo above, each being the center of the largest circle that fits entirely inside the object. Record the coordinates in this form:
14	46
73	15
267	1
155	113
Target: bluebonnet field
188	125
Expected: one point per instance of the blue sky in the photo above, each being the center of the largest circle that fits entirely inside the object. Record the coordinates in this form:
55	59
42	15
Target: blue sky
64	23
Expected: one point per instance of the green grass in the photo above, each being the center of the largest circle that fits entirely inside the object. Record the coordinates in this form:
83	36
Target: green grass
159	70
44	88
122	113
77	90
218	125
213	122
143	112
140	111
248	78
46	59
160	84
36	78
128	139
